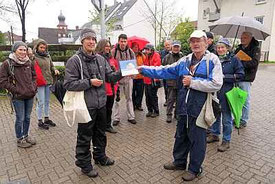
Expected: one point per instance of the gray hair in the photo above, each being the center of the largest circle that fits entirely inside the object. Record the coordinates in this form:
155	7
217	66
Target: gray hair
248	34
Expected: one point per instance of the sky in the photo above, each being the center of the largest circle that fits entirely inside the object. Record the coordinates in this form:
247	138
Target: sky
44	13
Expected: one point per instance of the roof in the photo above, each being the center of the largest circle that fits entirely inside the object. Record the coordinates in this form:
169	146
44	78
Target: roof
120	9
50	35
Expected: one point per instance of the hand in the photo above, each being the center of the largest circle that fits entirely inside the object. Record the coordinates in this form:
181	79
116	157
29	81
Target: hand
139	68
56	72
186	80
96	82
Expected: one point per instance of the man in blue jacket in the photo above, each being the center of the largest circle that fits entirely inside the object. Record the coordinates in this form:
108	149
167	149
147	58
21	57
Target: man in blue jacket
193	86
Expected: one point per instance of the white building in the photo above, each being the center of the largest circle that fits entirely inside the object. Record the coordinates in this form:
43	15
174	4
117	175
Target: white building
130	19
261	10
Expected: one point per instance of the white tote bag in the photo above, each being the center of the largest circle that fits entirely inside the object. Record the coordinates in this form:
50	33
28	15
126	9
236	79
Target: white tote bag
74	105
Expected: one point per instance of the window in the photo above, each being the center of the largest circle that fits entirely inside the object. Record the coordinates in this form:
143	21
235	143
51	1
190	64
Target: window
260	1
64	35
59	35
260	19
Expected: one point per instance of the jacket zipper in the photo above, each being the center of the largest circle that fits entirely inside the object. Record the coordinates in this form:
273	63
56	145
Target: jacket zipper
186	99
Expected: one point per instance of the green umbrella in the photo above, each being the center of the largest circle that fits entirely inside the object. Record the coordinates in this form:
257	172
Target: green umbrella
236	98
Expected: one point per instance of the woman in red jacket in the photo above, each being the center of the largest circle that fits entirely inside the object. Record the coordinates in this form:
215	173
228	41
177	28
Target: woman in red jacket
104	49
151	85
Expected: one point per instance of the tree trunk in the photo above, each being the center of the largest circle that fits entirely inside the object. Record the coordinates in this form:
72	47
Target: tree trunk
23	22
161	22
155	23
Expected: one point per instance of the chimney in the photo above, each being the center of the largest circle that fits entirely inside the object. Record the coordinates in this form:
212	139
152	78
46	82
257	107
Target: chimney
77	27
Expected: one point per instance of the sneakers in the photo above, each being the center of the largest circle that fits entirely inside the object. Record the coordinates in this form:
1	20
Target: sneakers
149	114
92	174
154	114
139	108
172	166
115	123
111	130
132	121
105	161
50	123
224	146
30	140
169	119
43	125
165	104
188	176
212	138
22	143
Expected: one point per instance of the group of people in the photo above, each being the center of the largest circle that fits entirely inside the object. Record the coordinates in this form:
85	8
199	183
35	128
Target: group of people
95	70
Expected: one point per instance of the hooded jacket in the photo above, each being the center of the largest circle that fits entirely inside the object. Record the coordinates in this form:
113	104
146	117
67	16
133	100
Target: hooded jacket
191	99
44	62
22	83
95	97
151	60
250	67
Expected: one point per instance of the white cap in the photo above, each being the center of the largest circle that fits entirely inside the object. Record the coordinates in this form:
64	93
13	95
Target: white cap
198	34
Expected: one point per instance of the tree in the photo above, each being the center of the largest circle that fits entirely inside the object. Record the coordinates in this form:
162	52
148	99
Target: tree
182	33
21	8
2	39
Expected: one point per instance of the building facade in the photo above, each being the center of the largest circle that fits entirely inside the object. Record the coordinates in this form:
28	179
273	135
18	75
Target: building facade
262	10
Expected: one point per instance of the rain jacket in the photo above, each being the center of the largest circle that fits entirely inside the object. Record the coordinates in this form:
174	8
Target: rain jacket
152	60
95	97
250	67
191	99
233	72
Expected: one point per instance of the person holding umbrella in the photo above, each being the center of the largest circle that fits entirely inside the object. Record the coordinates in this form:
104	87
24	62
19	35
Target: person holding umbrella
250	46
232	72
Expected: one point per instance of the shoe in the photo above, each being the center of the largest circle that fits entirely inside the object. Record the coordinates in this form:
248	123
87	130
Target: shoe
105	161
172	166
165	104
212	138
242	125
43	126
30	140
93	173
224	146
188	176
169	119
50	123
22	143
153	115
111	130
115	123
139	108
132	121
149	114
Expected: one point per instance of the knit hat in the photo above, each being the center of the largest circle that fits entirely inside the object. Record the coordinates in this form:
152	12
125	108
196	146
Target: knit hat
149	46
16	45
86	33
224	41
209	35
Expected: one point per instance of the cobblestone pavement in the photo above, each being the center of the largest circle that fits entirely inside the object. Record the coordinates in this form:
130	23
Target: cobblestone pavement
141	150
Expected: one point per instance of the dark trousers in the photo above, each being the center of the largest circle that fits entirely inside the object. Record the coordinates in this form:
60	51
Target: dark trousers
137	94
190	140
171	100
109	107
151	94
165	89
95	131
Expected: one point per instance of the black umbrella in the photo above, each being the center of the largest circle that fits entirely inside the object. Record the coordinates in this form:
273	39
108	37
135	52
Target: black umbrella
58	90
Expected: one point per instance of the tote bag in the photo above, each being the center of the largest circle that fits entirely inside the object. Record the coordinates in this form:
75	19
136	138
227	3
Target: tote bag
74	105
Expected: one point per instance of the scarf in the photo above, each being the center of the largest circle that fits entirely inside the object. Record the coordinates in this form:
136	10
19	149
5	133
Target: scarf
87	57
20	61
43	54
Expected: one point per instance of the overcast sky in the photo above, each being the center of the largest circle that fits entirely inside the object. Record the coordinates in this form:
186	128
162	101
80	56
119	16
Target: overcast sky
42	13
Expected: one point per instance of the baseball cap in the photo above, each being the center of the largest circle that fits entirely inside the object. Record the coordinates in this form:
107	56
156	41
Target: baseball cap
209	35
176	43
224	41
198	34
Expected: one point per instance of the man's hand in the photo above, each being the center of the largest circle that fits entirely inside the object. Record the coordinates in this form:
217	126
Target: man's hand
96	82
56	72
186	80
139	68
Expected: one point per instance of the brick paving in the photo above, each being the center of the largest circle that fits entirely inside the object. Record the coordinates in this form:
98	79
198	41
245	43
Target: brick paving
141	150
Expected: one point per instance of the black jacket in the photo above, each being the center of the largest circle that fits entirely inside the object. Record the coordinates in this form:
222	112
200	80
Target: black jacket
250	67
212	48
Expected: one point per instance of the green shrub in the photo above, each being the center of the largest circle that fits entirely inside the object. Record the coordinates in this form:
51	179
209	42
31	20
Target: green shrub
61	69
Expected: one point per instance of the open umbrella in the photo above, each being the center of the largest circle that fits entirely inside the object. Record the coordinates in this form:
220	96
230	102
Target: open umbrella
236	98
140	41
233	27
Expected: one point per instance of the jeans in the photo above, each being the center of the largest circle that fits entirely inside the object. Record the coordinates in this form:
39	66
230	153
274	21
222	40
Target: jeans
23	109
190	139
227	124
43	101
171	100
138	91
246	86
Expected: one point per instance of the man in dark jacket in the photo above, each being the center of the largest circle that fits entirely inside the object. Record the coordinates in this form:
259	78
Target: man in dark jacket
169	59
250	46
163	53
95	71
210	41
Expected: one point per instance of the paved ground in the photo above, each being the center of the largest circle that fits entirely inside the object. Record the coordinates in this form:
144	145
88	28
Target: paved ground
141	150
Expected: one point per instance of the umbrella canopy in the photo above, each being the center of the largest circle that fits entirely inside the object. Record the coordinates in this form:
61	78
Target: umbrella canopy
140	41
232	27
58	90
236	98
